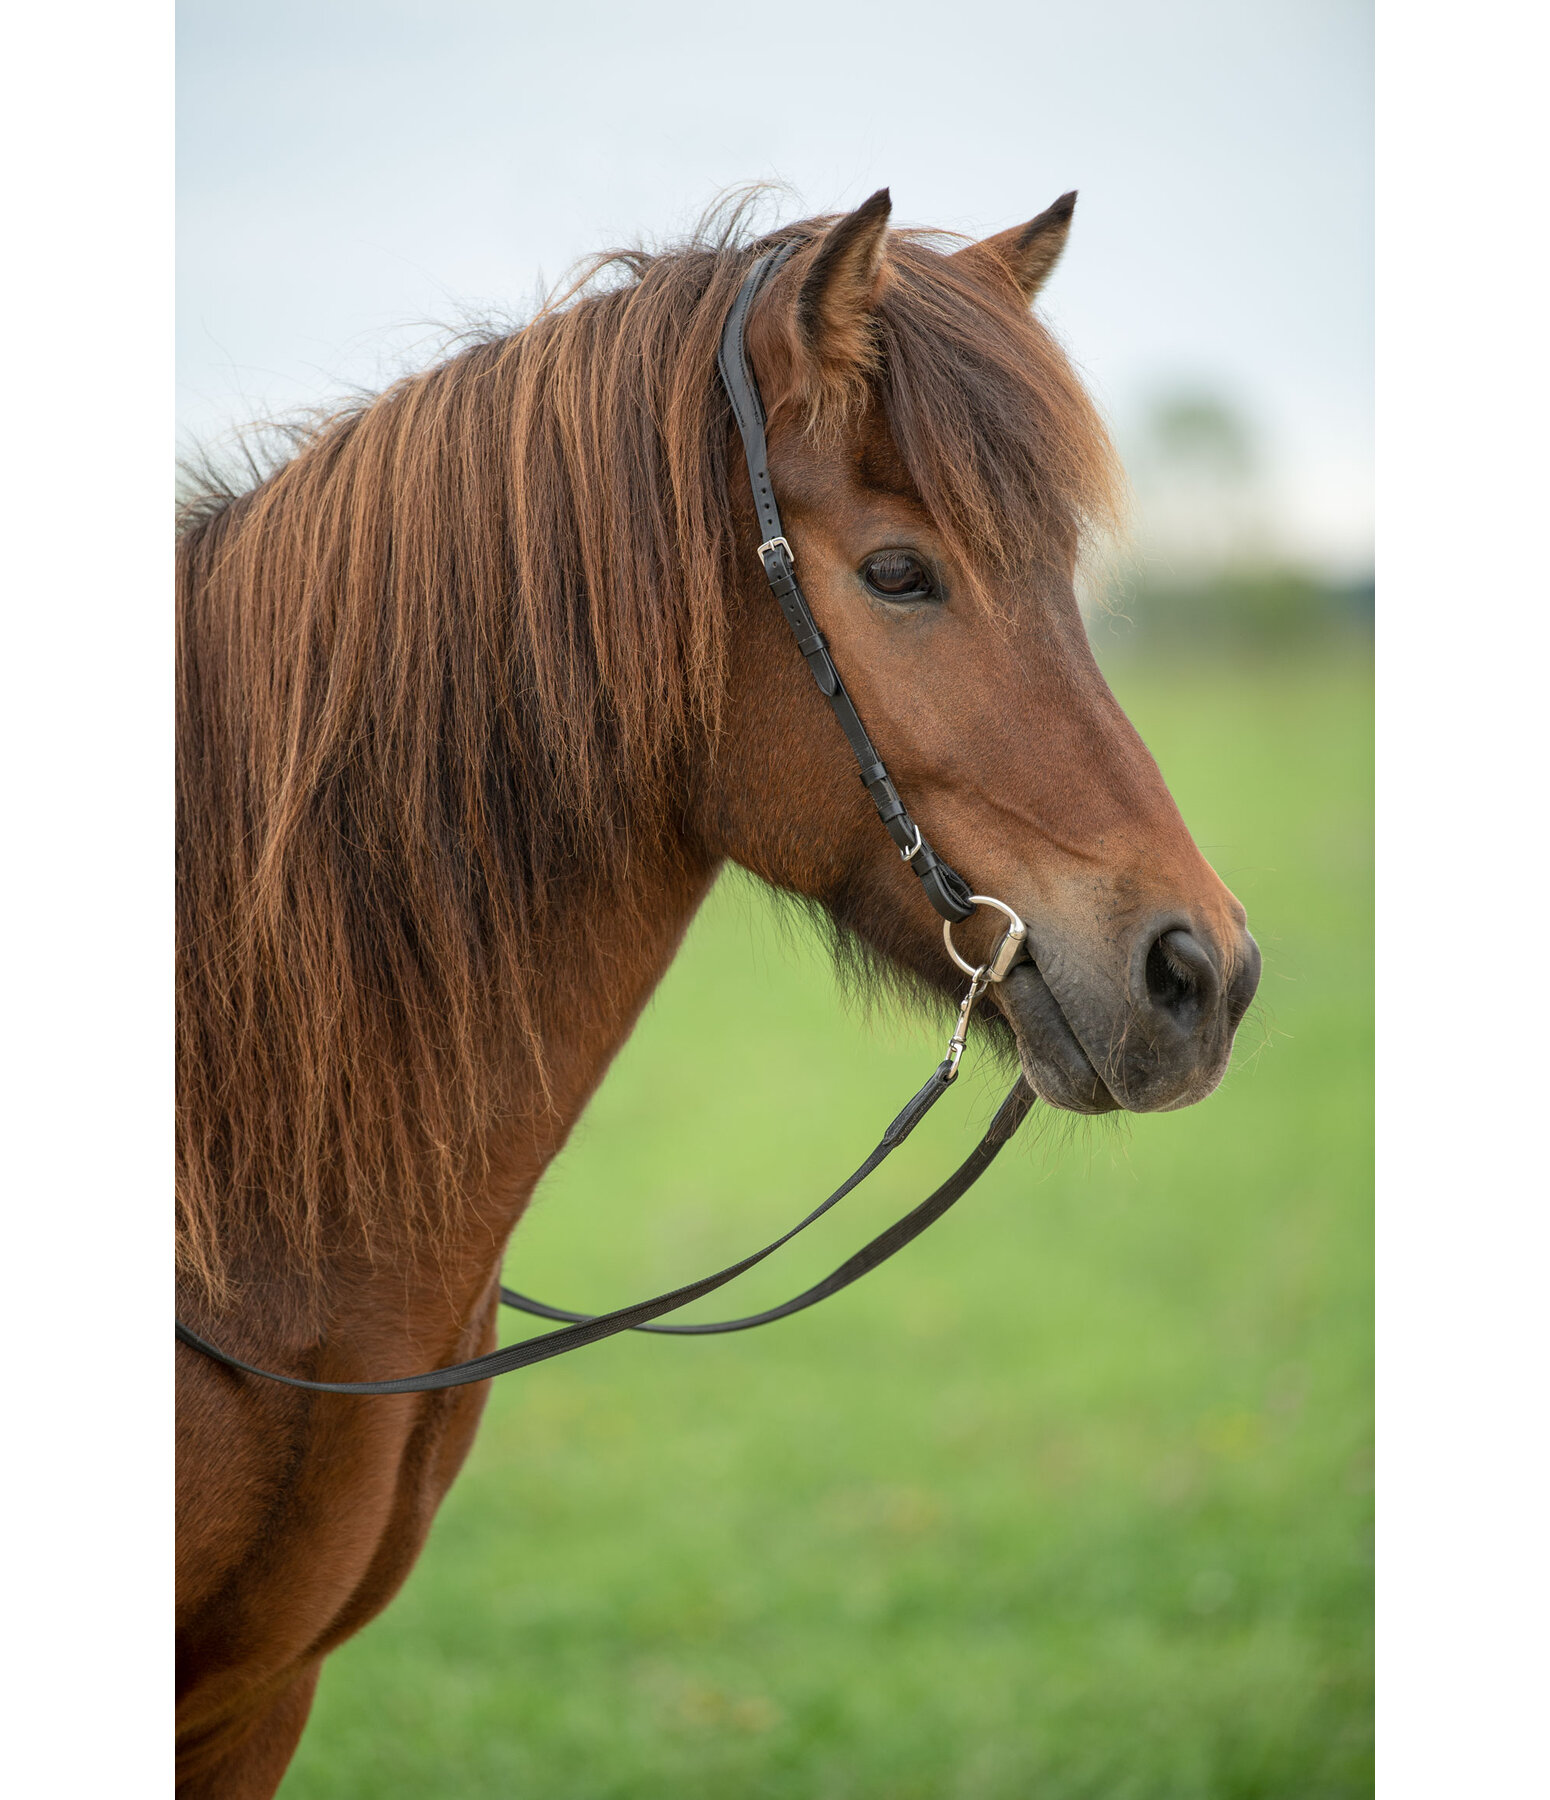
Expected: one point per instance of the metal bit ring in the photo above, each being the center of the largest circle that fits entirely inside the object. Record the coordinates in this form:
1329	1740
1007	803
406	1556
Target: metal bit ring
1008	946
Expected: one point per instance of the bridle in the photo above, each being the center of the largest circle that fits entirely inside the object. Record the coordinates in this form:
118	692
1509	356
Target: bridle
947	891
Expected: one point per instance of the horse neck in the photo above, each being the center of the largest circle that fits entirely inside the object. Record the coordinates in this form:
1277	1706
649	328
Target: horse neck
599	982
597	985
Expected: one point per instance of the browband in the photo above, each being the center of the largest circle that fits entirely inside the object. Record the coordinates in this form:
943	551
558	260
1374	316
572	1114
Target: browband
945	888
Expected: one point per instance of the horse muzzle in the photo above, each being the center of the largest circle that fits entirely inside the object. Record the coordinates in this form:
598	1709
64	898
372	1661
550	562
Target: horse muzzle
1153	1037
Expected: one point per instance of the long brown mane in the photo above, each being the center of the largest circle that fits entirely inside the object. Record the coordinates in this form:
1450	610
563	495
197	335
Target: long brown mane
449	661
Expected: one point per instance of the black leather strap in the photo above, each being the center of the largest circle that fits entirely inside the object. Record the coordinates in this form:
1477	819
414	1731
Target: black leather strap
1010	1115
945	887
743	390
588	1328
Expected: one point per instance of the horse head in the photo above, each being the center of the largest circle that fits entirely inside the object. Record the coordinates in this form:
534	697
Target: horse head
937	465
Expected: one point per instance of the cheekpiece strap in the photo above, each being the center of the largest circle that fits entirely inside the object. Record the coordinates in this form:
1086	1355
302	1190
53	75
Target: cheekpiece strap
945	888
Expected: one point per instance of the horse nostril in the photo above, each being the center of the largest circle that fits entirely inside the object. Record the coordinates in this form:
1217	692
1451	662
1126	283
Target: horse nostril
1180	977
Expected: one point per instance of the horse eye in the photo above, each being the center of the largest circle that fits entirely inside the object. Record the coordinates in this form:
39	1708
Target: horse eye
896	575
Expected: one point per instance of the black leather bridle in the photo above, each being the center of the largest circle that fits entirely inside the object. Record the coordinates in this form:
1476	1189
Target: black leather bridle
944	887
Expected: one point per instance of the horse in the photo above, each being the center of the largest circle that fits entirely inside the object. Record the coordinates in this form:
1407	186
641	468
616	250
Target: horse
477	692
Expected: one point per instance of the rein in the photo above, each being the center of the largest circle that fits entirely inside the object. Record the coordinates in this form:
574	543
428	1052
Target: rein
948	893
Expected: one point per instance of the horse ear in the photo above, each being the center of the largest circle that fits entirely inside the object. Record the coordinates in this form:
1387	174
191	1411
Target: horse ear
1028	253
835	303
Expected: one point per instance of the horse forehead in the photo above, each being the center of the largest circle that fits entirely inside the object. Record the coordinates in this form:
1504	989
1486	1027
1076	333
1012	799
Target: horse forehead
879	464
830	470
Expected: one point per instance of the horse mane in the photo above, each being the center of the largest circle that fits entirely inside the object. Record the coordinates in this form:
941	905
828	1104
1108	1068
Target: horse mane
443	665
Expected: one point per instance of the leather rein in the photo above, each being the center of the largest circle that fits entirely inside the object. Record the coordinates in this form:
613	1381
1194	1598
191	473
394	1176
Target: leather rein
946	890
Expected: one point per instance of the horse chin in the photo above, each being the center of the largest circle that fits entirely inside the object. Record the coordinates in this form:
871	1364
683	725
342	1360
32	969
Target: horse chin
1054	1063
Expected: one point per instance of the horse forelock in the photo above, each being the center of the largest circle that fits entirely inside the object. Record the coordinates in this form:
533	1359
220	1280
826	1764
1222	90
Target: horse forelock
440	667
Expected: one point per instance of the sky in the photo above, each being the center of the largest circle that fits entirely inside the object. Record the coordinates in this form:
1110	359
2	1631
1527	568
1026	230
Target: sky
352	177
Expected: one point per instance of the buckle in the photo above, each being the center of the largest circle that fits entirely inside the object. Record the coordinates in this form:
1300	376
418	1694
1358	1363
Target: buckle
770	543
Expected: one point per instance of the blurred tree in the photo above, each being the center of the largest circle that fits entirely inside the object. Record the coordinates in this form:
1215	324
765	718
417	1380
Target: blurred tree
1204	566
1200	496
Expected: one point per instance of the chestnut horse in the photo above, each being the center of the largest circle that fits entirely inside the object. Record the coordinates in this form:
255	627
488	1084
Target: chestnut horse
477	692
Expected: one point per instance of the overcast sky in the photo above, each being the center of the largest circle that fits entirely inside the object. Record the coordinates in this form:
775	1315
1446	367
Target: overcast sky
350	173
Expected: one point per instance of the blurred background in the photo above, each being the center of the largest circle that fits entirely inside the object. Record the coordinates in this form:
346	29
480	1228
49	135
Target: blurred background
1074	1499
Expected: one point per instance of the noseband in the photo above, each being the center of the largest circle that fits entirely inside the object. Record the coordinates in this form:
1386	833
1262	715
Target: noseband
944	887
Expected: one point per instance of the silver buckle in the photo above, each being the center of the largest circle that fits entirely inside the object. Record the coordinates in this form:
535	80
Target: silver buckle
907	854
770	543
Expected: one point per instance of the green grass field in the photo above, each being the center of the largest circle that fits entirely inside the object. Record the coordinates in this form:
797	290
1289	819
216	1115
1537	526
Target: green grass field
1072	1499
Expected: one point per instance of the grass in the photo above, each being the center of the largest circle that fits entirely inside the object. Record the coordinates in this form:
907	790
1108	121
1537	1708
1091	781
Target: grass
1073	1499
